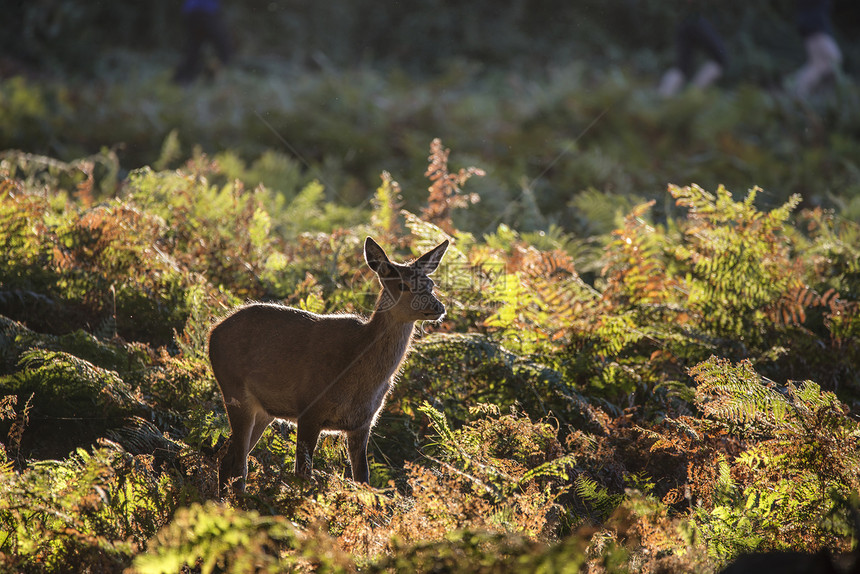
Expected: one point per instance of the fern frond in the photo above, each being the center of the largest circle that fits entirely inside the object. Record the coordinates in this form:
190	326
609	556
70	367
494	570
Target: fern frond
84	388
386	208
554	469
140	436
219	538
445	189
735	393
597	497
440	424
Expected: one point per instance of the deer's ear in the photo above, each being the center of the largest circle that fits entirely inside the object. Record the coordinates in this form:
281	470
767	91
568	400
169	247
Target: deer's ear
430	260
376	257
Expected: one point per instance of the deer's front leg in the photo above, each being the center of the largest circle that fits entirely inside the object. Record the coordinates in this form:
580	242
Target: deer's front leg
357	443
307	434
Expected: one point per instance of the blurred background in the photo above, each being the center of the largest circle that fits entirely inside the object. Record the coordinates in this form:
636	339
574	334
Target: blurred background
559	102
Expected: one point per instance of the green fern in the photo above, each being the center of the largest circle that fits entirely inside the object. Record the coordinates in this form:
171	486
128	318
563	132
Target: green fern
596	497
801	464
223	539
139	436
738	259
556	469
64	384
171	150
737	395
62	516
439	421
194	339
386	207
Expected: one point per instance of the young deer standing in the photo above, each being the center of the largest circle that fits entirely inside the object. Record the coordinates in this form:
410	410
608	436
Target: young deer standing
323	372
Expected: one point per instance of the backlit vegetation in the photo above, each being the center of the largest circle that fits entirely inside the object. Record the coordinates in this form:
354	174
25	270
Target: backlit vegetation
649	362
690	397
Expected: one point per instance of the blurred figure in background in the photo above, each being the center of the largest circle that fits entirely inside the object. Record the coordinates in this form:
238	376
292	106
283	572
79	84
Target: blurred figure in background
822	53
694	33
203	25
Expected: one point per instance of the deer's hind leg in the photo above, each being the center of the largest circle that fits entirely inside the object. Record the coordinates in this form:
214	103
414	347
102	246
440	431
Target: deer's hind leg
235	462
261	423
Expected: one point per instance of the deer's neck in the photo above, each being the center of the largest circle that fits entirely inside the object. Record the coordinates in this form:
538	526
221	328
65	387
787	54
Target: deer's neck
390	339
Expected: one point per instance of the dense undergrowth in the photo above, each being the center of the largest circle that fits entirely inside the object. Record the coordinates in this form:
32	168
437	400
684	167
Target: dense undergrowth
663	398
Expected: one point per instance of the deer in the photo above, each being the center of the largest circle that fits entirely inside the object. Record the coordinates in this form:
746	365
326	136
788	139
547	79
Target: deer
324	373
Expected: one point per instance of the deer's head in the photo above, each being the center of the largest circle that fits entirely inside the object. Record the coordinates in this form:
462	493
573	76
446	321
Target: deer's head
407	291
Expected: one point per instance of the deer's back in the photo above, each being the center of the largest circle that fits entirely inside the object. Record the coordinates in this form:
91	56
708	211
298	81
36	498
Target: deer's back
284	357
260	337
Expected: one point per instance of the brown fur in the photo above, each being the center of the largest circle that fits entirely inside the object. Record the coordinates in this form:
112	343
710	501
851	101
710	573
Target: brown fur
323	372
